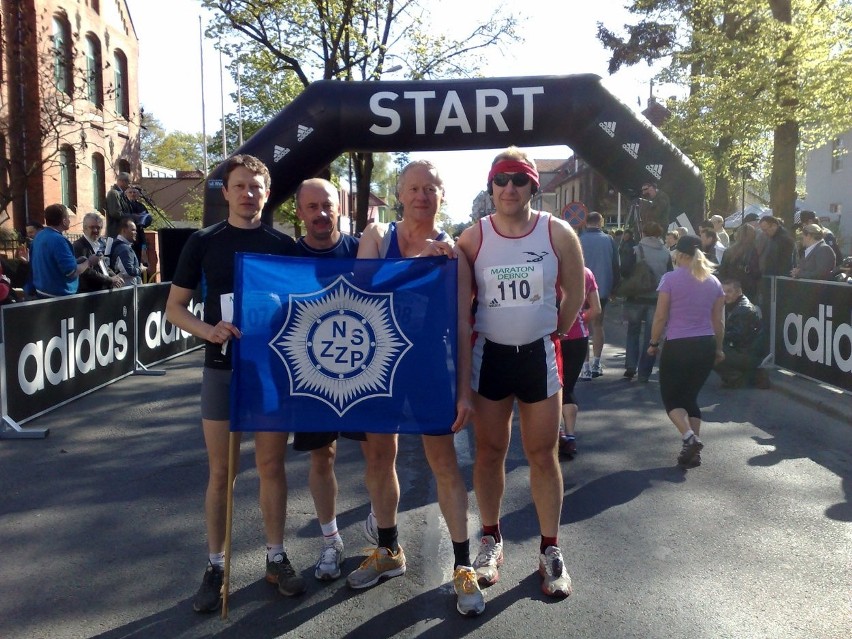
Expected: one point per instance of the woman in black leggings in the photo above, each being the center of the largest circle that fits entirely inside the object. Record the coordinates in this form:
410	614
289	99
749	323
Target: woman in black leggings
574	346
689	310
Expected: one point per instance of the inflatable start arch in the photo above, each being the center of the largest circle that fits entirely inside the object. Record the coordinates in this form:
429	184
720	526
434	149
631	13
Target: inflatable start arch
331	117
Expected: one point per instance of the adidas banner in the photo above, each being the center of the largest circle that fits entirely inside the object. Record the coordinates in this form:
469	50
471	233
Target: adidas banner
63	348
158	339
344	345
813	329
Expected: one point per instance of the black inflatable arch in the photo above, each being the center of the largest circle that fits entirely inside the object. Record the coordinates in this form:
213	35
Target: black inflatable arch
330	118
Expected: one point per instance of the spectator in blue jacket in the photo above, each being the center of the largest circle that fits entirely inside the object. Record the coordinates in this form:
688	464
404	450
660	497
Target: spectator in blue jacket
56	271
601	256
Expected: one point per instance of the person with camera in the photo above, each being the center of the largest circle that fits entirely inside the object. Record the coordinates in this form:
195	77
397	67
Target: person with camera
99	278
655	205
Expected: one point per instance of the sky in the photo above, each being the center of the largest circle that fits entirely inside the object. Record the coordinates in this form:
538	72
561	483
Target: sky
559	40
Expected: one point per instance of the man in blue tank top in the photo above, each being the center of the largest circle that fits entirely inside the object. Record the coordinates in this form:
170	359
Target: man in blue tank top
420	191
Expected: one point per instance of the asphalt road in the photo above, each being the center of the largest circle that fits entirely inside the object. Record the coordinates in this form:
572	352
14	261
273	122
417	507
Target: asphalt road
102	534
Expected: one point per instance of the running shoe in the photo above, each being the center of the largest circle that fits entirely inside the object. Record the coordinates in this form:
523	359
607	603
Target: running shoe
555	580
328	565
630	373
209	595
691	447
381	564
280	571
488	560
470	600
695	462
586	375
567	445
371	529
597	370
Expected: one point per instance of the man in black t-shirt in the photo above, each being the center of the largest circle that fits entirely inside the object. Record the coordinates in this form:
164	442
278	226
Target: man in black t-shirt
209	257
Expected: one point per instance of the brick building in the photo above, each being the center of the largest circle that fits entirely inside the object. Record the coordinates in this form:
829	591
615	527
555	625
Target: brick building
69	104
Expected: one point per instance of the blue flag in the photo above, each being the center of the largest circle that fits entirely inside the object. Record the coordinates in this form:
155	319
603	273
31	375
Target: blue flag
344	345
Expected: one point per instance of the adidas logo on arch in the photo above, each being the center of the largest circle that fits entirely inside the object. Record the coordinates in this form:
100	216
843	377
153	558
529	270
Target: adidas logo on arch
279	152
608	127
632	149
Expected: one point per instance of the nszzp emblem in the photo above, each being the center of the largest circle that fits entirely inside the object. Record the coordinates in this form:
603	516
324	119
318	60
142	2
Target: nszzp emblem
341	345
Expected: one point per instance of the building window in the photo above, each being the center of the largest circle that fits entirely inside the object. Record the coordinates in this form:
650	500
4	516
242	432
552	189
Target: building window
68	176
838	154
123	166
98	181
62	61
94	71
122	99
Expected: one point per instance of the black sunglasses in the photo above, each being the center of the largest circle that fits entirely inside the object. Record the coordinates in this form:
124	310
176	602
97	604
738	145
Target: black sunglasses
518	179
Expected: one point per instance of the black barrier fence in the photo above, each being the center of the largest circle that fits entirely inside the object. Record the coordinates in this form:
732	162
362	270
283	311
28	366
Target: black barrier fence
54	351
159	339
812	329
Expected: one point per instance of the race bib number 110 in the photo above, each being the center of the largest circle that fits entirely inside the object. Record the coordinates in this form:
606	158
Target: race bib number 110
520	285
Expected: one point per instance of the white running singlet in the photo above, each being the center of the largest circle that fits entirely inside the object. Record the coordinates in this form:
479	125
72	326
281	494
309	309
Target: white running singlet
517	279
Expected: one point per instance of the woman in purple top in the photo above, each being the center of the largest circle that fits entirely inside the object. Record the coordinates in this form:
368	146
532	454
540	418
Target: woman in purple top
689	310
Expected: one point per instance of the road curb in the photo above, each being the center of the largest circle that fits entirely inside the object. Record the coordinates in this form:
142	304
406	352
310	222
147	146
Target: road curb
827	399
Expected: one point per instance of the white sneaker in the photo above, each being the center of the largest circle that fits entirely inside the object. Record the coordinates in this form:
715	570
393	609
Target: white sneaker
489	559
597	370
328	565
586	375
371	529
471	601
555	580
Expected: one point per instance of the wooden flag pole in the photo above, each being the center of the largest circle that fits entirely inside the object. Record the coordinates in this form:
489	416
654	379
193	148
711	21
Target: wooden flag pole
233	458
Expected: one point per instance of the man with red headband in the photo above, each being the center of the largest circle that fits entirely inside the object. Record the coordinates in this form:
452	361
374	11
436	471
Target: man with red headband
528	269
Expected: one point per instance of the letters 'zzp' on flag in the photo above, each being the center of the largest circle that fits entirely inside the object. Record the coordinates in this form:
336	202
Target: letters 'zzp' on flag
344	345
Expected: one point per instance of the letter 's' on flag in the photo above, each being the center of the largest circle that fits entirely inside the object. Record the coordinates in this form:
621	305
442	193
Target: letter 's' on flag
344	345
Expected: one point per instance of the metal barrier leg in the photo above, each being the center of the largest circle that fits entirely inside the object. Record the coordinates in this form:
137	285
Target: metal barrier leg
12	430
142	370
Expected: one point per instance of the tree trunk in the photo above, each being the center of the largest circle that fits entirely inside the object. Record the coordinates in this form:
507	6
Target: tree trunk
782	181
363	168
723	201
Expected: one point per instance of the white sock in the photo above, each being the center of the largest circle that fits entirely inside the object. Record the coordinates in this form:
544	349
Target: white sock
596	361
330	534
271	551
217	559
688	434
586	366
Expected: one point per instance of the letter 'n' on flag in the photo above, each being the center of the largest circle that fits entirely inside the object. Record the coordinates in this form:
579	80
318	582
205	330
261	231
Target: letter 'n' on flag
344	345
